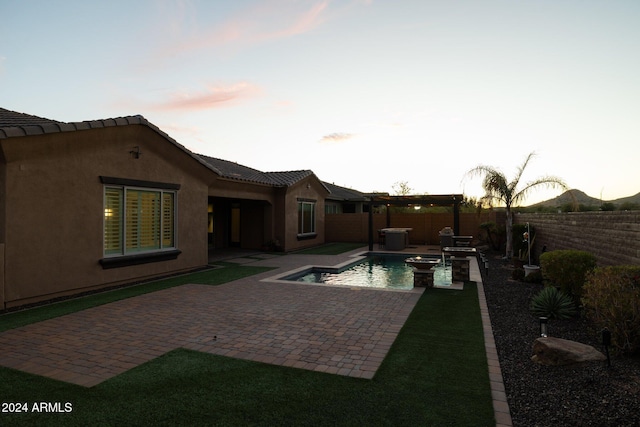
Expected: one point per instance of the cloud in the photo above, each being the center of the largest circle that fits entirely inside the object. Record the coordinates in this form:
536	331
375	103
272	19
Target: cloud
300	23
336	137
190	132
266	21
208	98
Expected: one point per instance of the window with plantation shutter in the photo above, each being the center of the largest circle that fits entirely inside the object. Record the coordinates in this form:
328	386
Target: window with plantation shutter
167	219
138	220
143	220
113	204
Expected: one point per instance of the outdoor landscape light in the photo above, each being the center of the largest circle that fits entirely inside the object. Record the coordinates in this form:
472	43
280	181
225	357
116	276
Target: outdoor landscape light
543	327
606	342
526	238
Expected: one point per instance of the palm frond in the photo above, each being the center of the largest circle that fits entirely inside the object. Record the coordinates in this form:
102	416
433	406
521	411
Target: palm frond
521	169
545	181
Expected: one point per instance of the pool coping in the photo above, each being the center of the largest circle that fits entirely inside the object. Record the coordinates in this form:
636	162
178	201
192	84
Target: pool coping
354	259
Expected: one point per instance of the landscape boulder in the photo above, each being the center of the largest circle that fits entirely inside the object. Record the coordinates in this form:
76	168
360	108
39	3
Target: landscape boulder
556	351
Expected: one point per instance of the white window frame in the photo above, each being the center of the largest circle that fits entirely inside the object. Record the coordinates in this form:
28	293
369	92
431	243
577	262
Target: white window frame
303	230
123	250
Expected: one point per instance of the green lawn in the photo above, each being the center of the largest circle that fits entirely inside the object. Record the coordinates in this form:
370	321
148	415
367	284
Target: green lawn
435	374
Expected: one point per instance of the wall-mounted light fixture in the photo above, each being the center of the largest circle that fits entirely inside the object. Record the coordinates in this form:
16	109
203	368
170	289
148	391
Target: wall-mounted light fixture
135	153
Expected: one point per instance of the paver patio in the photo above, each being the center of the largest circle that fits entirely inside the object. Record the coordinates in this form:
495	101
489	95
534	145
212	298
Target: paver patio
339	330
344	331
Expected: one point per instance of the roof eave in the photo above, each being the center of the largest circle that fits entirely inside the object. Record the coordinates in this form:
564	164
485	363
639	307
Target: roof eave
59	127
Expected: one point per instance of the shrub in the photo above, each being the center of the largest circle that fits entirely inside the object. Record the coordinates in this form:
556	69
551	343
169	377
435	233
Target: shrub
611	298
518	274
534	277
566	269
552	303
492	234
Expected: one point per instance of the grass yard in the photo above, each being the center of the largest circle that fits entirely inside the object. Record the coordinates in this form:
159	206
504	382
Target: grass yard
435	374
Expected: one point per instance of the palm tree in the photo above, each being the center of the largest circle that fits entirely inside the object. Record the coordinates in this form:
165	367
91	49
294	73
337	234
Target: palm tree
498	189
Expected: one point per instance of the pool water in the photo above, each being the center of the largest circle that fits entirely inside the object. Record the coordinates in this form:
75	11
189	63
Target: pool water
375	272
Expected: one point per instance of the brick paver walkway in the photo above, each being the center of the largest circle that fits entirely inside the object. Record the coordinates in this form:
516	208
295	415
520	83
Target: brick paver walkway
329	329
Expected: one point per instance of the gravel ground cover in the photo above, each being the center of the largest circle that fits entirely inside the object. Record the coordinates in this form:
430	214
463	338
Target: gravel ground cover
592	394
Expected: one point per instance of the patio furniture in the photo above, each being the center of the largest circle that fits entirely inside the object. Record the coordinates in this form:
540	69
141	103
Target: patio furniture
396	239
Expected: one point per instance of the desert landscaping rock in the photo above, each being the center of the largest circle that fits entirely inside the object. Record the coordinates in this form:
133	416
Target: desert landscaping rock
591	394
559	352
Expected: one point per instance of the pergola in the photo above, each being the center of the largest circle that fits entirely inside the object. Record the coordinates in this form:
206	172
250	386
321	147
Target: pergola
426	200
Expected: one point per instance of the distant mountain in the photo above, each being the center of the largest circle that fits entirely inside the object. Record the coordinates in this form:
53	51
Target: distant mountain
583	199
631	199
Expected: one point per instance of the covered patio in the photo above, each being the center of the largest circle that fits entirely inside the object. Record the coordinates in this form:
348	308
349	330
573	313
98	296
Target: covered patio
423	200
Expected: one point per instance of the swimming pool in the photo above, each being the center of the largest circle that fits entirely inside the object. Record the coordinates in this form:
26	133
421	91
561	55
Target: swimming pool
374	271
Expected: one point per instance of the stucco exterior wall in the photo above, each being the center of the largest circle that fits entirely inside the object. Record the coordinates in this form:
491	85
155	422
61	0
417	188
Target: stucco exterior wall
311	189
54	208
3	199
227	188
2	299
252	224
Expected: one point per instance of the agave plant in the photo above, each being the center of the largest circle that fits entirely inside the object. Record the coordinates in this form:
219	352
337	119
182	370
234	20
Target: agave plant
552	303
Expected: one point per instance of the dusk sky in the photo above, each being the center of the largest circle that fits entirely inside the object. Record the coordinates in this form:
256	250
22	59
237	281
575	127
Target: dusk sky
365	93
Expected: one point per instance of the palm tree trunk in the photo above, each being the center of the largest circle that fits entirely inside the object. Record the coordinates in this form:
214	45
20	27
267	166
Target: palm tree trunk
509	233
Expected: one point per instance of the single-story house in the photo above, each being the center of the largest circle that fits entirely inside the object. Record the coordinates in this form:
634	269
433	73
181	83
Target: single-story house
94	204
345	200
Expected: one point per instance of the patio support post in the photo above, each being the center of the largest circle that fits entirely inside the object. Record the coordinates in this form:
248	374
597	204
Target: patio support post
388	209
371	223
456	218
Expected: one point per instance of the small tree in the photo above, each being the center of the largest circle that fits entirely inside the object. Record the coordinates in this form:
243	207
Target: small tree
402	188
498	189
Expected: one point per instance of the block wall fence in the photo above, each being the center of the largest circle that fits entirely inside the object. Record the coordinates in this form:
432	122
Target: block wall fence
613	237
354	227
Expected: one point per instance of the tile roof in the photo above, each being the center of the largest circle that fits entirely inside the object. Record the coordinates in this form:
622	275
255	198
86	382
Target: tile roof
10	118
289	177
343	193
14	124
233	170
